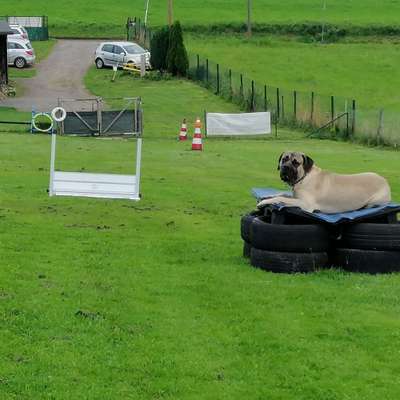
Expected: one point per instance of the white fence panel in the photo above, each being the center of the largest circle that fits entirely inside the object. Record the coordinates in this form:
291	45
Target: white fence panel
242	124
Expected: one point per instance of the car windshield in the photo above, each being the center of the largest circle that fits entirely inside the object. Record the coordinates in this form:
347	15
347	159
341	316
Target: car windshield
134	49
28	45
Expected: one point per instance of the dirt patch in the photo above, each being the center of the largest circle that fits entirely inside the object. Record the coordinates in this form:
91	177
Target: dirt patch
60	75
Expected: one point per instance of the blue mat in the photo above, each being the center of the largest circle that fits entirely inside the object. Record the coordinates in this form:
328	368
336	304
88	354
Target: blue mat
262	193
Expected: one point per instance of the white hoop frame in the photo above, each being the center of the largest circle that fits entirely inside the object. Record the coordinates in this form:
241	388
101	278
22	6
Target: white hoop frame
49	129
63	114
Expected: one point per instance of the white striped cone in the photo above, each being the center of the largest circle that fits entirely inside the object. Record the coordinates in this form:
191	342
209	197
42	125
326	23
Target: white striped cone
197	143
183	131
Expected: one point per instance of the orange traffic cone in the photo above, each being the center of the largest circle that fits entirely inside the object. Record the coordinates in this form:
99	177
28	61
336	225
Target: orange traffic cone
183	131
197	143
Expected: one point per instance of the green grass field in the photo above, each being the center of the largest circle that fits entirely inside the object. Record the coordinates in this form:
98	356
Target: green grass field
77	18
103	299
364	71
109	299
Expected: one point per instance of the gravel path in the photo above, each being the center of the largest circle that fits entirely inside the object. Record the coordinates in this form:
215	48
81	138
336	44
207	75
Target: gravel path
60	75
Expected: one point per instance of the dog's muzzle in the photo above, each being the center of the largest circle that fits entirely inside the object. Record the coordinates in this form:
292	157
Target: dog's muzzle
288	174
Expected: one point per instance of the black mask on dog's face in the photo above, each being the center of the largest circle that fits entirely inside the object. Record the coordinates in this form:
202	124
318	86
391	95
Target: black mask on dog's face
294	166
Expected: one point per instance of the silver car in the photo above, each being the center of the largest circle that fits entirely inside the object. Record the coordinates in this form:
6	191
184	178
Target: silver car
117	53
19	32
20	53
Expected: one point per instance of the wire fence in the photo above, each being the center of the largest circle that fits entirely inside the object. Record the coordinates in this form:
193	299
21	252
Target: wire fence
321	115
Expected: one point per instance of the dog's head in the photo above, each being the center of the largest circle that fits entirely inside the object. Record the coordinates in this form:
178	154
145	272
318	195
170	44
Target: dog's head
294	166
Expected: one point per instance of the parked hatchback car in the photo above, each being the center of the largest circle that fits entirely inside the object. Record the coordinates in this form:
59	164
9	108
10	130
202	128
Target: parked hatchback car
19	32
20	53
117	53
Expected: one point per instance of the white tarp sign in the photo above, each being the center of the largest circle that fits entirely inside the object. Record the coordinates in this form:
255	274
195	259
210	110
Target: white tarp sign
256	123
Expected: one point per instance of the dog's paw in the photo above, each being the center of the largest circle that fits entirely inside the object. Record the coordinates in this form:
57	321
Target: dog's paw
264	203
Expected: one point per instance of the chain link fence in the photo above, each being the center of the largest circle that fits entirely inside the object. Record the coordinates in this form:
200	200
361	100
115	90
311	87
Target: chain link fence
321	115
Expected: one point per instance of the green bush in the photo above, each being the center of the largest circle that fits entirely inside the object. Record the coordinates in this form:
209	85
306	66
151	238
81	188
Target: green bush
177	59
159	45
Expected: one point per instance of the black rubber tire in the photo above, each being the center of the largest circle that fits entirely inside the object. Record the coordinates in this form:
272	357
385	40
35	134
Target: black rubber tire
20	62
313	238
370	261
245	223
372	237
246	249
275	261
99	63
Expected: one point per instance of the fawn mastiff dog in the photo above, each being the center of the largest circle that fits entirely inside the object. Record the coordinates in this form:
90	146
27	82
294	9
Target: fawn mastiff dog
317	190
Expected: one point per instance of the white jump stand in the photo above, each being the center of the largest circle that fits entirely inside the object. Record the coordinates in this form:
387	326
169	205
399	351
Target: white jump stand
82	184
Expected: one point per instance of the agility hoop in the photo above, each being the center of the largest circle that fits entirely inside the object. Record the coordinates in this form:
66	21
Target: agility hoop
57	110
40	129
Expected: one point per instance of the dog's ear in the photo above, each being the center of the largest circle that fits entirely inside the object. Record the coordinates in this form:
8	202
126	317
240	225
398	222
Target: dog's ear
307	163
279	161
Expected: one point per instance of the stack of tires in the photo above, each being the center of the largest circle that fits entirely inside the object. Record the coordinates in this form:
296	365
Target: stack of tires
301	247
369	247
284	248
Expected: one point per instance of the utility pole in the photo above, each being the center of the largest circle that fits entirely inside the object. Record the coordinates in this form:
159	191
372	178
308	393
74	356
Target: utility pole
146	12
323	21
249	6
170	13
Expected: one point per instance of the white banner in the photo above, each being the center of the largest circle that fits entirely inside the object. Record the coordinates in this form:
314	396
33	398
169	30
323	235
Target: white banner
257	123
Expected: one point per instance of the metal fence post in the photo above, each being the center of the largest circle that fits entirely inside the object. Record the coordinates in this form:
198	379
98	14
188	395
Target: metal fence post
135	28
217	78
241	85
353	117
312	109
198	66
278	112
230	83
265	98
294	104
252	105
207	70
380	127
128	24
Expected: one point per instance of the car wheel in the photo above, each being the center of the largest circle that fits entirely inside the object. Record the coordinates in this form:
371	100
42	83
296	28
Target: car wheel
289	263
99	63
20	62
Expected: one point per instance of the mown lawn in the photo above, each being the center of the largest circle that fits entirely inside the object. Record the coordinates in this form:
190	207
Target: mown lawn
104	299
366	72
74	18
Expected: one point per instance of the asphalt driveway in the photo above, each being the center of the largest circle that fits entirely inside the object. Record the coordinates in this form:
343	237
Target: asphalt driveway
60	75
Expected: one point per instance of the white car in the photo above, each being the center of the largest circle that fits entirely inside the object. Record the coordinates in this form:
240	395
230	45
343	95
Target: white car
20	53
19	32
117	53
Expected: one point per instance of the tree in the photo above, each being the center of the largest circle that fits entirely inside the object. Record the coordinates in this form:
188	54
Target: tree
177	59
159	49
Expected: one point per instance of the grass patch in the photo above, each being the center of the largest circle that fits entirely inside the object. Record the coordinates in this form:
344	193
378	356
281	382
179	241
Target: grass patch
364	71
165	103
152	300
10	114
75	18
